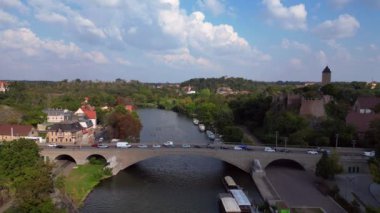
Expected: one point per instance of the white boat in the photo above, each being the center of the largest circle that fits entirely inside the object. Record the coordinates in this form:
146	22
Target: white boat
195	121
202	127
168	143
210	135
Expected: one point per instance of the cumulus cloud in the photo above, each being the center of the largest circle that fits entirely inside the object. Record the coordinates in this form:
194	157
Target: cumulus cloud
25	41
216	7
122	61
292	18
13	4
51	17
287	44
6	18
58	13
343	27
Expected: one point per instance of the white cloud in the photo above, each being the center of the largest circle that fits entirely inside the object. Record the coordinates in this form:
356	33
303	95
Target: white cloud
296	63
373	47
287	44
216	7
122	61
25	41
6	18
340	3
321	57
292	18
343	27
13	4
51	17
53	12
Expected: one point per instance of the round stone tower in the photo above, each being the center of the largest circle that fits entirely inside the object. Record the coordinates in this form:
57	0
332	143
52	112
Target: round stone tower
326	76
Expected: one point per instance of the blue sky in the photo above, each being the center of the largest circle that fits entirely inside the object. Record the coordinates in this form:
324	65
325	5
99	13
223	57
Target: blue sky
175	40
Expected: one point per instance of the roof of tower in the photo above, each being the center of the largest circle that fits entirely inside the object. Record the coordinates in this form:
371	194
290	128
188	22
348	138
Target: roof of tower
326	70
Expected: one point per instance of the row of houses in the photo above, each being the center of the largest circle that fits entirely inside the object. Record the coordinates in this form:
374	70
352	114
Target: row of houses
62	126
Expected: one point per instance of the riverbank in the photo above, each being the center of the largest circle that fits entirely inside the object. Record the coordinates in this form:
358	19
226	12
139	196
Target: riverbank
81	181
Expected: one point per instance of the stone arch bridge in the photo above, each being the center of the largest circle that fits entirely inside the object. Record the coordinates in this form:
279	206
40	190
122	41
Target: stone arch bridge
120	159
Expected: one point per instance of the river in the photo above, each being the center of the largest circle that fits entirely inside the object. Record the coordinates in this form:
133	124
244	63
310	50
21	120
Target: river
171	183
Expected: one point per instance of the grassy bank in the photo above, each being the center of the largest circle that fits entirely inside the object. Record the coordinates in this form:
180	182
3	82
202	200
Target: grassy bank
83	179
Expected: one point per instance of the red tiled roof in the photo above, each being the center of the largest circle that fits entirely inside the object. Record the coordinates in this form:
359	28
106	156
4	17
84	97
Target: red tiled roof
361	121
18	130
368	102
91	114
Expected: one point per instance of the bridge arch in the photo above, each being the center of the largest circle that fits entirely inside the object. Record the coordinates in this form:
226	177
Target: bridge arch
97	159
65	157
289	163
125	164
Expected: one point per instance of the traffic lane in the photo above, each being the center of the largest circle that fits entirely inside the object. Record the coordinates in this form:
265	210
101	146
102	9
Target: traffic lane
296	188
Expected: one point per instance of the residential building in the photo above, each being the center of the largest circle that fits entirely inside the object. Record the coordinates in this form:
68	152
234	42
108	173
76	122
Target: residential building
224	91
65	133
87	111
362	113
9	132
3	86
58	115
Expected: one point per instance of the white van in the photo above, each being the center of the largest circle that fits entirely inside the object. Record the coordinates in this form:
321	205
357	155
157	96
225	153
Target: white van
123	145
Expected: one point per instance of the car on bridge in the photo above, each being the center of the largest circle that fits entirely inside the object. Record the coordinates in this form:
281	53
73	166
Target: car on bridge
186	146
269	149
312	152
142	146
156	146
52	145
102	146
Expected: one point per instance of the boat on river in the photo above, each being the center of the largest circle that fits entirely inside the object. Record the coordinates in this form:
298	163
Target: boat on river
195	121
228	203
229	183
202	127
210	135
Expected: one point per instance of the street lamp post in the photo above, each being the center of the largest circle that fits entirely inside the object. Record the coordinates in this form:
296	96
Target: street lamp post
286	140
336	140
276	138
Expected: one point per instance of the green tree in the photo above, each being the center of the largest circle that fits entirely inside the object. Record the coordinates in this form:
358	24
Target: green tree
232	134
123	124
328	166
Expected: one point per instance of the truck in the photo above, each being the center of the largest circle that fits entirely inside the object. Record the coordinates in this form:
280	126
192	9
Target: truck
123	145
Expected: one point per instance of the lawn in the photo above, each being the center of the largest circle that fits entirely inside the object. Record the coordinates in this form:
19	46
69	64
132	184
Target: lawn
82	180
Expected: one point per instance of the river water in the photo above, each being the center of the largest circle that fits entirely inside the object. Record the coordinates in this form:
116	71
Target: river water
171	183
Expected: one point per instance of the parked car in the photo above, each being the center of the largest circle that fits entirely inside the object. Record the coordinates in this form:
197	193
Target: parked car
237	148
52	145
312	152
186	146
94	145
269	149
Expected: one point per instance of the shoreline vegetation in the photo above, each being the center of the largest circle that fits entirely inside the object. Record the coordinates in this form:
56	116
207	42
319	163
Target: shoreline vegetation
83	179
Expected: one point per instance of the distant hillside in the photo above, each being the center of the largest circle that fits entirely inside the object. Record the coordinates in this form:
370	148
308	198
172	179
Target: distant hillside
9	115
214	83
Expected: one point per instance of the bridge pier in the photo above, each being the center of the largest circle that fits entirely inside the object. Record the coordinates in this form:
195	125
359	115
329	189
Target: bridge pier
265	187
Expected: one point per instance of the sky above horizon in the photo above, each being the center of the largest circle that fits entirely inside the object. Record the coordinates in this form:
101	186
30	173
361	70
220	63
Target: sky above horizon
173	40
